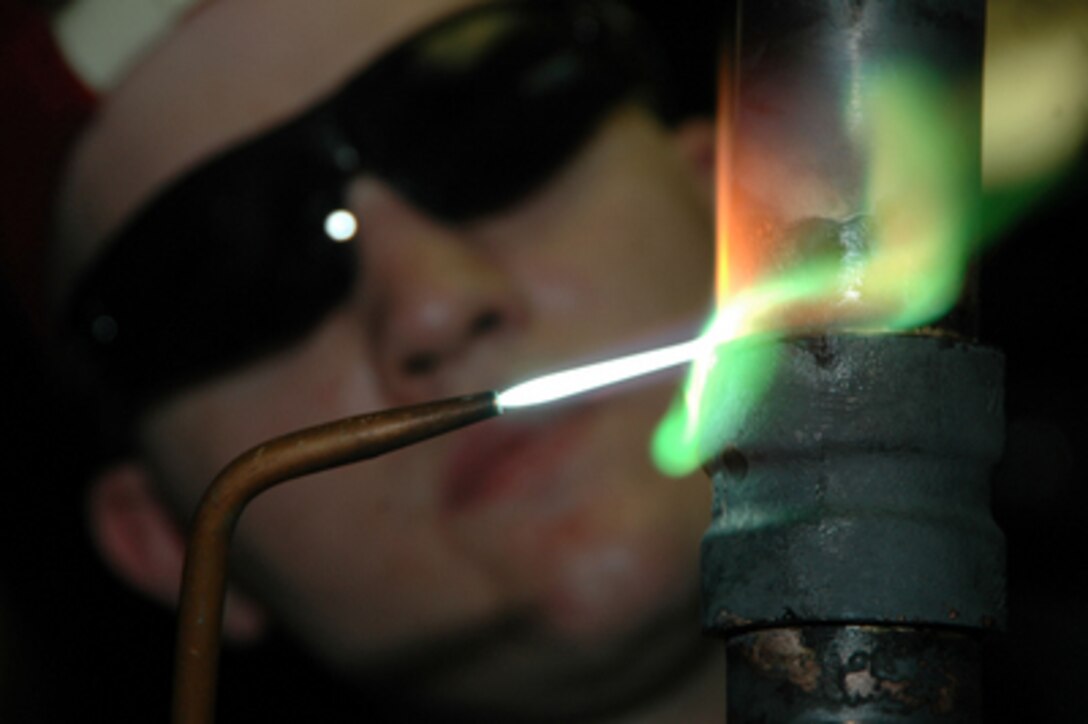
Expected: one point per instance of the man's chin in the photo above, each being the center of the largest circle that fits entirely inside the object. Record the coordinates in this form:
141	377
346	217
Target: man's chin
512	671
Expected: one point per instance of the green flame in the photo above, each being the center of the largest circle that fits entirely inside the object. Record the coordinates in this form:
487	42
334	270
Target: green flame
922	204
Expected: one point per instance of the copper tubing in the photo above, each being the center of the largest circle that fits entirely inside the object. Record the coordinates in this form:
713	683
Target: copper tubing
299	453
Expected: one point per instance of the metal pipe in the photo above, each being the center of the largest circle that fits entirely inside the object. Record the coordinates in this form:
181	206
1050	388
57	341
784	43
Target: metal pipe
852	562
852	530
800	164
300	453
855	673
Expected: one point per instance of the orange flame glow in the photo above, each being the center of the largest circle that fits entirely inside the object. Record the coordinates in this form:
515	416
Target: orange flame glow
723	184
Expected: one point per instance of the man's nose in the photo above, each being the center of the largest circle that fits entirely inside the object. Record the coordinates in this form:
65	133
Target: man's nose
442	304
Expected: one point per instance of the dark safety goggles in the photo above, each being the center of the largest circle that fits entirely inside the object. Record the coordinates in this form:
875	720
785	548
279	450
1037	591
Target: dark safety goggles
252	249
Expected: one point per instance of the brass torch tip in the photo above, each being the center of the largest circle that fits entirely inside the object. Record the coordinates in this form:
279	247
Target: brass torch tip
380	432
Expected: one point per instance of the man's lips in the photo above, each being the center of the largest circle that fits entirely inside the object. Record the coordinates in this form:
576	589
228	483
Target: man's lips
508	458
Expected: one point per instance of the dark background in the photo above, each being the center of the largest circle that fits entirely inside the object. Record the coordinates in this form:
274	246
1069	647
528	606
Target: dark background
75	645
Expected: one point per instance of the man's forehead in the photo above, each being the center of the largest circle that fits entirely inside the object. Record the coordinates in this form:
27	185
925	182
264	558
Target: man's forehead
231	69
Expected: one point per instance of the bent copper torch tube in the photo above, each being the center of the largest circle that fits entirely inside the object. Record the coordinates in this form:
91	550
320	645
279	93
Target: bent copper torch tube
300	453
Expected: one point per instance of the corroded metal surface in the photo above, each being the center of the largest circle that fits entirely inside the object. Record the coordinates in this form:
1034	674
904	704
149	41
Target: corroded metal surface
858	490
853	673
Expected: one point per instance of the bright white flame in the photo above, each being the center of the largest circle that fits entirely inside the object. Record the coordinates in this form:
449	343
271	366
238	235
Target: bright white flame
341	225
568	383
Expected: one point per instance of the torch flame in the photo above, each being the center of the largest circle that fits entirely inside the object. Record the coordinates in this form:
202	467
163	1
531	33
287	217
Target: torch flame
925	226
567	383
921	210
909	276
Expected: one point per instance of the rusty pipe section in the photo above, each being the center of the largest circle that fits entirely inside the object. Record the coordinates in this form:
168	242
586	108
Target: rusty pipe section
852	563
291	456
856	673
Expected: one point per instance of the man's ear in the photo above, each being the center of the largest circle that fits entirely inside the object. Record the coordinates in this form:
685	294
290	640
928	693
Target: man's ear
695	139
139	540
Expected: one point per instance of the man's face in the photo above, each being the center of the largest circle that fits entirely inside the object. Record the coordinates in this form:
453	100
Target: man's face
536	546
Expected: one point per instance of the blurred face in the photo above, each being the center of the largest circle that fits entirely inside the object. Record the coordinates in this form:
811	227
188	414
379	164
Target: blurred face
536	551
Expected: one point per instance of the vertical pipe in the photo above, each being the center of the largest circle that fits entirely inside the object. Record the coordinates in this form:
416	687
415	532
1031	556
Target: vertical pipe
801	164
852	563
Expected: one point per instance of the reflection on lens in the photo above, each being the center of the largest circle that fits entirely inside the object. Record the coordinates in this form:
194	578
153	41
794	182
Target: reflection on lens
341	225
